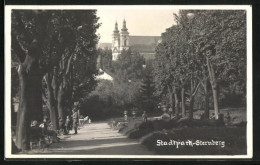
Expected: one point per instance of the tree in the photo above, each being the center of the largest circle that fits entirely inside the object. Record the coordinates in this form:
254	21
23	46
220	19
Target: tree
145	99
198	51
39	40
190	67
128	66
127	73
105	59
172	69
74	76
220	40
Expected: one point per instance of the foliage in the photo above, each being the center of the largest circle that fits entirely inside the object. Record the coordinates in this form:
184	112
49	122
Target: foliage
145	98
125	91
216	35
49	42
129	66
105	59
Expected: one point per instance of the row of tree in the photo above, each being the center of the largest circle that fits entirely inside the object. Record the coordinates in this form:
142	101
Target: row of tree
54	52
205	51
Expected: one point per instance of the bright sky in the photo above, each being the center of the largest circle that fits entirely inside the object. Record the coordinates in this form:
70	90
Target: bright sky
138	21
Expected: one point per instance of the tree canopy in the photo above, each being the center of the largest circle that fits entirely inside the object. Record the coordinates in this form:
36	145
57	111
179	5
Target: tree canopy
209	46
59	45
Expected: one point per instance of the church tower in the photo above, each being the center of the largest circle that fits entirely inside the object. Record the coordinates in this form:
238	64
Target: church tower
124	37
115	43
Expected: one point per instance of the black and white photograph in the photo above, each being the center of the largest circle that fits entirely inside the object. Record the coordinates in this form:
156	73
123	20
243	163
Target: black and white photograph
118	81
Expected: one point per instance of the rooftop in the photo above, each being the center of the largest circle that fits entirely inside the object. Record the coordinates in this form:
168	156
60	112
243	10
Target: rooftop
105	45
143	40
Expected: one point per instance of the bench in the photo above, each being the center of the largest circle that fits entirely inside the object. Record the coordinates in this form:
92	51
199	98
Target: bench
37	139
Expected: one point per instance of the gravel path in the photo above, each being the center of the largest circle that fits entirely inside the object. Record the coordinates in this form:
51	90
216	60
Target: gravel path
98	139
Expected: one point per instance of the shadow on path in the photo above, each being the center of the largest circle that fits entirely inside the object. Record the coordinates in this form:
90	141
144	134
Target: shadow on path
99	139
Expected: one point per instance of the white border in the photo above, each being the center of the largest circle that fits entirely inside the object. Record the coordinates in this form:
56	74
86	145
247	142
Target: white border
7	111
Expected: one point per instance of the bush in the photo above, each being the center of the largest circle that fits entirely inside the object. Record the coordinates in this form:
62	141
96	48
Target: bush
199	123
146	125
136	134
136	128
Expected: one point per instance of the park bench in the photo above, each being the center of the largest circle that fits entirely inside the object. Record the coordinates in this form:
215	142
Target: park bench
37	139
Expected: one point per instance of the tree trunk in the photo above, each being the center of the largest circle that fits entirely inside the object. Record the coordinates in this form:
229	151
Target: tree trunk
71	88
215	98
60	100
191	107
183	109
171	103
213	83
52	105
206	99
30	106
64	86
171	97
176	105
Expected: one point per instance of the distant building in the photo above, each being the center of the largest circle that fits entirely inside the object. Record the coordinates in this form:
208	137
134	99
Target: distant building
105	45
145	45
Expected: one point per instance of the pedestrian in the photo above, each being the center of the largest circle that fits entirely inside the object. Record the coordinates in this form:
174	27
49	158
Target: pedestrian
144	116
67	125
75	121
228	118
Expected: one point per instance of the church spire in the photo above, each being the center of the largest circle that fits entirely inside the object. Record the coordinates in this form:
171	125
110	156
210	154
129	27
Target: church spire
124	26
116	28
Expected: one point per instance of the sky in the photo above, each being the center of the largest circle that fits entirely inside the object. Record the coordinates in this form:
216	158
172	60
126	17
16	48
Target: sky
138	21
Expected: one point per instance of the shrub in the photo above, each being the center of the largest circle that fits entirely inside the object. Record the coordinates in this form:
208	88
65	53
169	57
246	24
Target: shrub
135	134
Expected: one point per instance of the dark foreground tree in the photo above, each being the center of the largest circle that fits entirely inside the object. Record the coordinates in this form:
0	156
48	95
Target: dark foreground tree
39	39
73	77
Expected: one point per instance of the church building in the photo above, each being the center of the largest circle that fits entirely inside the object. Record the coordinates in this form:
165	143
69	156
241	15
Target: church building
121	40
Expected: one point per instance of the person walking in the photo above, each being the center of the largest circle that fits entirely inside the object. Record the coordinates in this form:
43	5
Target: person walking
144	116
75	121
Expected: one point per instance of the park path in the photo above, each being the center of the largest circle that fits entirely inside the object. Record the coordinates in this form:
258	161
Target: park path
98	139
